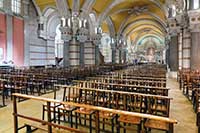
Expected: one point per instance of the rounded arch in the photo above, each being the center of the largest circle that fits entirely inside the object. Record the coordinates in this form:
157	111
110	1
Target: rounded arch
144	26
145	21
105	47
161	40
105	13
157	19
53	20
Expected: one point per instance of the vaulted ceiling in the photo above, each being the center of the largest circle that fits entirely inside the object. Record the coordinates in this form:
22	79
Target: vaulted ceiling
126	17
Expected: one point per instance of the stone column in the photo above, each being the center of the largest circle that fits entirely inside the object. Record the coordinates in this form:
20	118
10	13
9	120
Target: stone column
186	49
117	56
191	6
66	54
81	56
96	54
173	53
124	55
120	56
113	55
74	53
195	53
180	53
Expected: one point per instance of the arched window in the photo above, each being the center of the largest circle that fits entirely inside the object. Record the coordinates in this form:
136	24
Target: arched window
105	48
196	4
16	6
93	17
173	11
58	43
1	3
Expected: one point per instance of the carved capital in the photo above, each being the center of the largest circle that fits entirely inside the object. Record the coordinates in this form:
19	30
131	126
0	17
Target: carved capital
194	19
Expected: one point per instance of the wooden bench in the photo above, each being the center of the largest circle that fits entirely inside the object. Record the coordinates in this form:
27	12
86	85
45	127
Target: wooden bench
31	127
146	103
130	81
147	119
132	77
124	87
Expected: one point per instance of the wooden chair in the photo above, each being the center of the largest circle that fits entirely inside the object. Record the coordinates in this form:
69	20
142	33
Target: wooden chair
131	103
84	98
2	91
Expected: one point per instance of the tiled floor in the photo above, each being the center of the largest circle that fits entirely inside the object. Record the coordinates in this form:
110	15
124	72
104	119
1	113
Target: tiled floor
181	109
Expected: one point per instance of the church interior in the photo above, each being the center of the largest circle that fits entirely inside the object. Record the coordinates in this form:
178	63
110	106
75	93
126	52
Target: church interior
99	66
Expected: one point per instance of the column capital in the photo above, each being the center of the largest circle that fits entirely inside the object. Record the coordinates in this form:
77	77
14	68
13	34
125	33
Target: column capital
194	20
27	2
174	26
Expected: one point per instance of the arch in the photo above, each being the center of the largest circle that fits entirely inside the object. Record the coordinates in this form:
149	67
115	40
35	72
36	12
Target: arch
48	10
164	25
52	21
111	27
105	47
113	4
37	8
142	25
149	35
144	21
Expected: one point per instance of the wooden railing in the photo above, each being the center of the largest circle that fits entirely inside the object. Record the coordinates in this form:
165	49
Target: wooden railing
97	109
119	99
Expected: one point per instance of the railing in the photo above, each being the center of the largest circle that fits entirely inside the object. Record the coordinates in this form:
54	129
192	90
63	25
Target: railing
97	109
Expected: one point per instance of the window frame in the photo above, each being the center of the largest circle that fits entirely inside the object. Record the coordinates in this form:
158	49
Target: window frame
16	6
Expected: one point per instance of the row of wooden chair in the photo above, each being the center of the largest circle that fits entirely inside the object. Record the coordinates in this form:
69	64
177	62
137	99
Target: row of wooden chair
143	121
124	87
189	83
144	82
40	81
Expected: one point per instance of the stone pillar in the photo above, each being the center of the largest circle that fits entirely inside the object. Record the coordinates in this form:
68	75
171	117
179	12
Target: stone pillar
120	56
191	6
124	55
180	53
195	53
186	49
74	53
66	54
81	55
173	53
50	50
96	54
117	56
113	55
89	53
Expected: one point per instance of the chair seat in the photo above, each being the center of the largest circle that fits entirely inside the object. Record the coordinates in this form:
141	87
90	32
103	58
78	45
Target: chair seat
73	96
130	119
67	107
159	107
156	124
106	115
9	86
19	87
84	111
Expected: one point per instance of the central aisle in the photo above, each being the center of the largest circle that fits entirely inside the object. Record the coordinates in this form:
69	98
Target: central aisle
181	109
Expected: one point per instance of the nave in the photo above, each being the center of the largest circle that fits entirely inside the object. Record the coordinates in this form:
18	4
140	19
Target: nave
180	109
